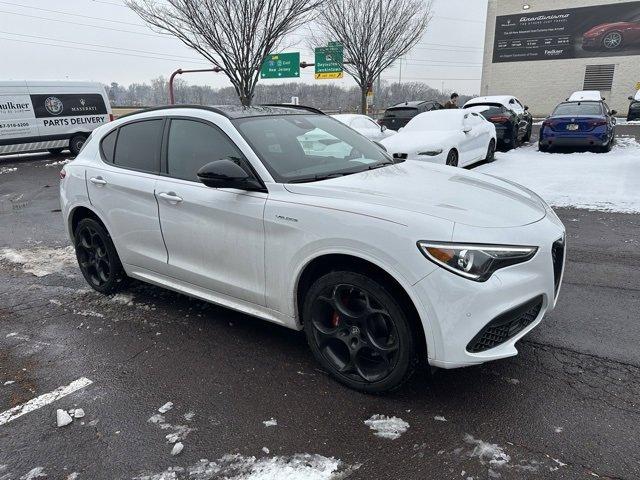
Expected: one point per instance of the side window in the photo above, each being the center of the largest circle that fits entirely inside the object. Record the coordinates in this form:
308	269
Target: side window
108	146
138	145
194	144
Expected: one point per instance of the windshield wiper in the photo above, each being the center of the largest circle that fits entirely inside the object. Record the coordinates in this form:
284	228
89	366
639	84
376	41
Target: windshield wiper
319	177
380	165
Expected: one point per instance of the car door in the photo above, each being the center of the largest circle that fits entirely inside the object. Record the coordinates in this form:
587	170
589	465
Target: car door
214	237
121	190
472	139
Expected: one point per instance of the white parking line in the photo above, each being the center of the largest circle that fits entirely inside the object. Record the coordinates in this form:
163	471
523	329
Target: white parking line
42	400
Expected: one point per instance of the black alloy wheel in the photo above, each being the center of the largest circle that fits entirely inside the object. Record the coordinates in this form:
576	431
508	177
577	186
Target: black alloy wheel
491	151
97	257
358	332
452	158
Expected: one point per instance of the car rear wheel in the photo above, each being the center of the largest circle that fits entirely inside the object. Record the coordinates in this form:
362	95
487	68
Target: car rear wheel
491	151
76	143
359	333
452	158
613	40
543	148
527	136
97	257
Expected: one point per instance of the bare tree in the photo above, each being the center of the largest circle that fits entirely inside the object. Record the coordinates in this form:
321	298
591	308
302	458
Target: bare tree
374	34
234	35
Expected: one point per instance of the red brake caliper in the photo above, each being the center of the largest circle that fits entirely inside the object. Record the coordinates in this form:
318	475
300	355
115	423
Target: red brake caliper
335	319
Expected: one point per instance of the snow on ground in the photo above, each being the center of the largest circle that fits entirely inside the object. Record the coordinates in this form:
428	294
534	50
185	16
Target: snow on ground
387	427
487	453
37	472
58	163
7	170
270	423
41	261
594	181
240	467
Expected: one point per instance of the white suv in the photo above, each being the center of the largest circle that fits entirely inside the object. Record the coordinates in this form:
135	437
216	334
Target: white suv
385	265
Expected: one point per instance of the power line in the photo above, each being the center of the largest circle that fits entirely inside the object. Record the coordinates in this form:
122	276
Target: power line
97	51
171	56
72	14
155	35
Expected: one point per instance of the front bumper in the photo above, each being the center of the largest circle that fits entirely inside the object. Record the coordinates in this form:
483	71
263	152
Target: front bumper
457	309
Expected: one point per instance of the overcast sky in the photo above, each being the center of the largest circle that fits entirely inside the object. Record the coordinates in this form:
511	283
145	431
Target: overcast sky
102	40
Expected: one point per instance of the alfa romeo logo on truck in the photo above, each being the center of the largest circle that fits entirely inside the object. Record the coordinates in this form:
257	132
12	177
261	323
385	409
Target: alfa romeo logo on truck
53	105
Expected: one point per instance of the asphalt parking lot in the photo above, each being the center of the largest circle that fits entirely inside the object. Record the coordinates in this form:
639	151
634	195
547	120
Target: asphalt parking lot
567	407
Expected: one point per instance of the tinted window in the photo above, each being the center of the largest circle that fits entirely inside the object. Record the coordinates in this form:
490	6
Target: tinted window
578	108
108	145
489	110
193	145
138	145
406	112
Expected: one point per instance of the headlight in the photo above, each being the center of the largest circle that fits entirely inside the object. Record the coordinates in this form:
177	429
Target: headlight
431	153
472	261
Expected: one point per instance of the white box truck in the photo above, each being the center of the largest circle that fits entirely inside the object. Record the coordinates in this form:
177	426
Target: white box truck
48	115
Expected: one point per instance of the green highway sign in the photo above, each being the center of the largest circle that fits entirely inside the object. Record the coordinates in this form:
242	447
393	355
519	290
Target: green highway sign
281	65
329	61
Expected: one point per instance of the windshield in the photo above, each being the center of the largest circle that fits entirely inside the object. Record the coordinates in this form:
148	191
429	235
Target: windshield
578	108
305	148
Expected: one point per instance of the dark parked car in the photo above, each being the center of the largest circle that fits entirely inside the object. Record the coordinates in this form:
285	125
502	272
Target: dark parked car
587	124
611	36
512	119
399	115
634	109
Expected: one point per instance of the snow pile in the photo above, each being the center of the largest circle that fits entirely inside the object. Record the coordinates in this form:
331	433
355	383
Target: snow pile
487	453
178	433
41	261
7	170
271	423
239	467
387	427
594	181
57	164
37	472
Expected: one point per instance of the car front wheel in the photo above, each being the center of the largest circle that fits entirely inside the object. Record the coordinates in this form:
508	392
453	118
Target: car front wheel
452	158
359	332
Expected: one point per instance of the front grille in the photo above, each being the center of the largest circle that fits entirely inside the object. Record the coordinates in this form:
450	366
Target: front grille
506	326
557	257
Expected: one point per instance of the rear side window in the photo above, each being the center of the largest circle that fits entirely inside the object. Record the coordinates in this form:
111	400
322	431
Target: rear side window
401	112
138	145
108	146
194	144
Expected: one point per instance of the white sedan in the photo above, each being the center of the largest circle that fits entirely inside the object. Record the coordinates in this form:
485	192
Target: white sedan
453	137
365	126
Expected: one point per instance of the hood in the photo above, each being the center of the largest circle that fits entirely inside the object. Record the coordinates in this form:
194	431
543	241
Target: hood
416	141
453	194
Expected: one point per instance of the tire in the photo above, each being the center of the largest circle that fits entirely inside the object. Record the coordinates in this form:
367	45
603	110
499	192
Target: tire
606	148
491	151
76	143
613	40
543	148
55	151
359	333
527	137
97	257
452	158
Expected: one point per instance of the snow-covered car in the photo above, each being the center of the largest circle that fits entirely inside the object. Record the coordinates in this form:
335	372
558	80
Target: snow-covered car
511	118
384	264
365	126
452	137
586	95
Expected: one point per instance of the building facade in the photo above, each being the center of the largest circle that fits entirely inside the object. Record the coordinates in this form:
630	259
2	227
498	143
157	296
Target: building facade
543	50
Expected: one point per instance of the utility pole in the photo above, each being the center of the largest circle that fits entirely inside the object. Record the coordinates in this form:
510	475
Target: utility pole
378	88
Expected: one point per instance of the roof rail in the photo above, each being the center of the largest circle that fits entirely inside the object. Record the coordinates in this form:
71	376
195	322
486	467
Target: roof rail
171	107
293	106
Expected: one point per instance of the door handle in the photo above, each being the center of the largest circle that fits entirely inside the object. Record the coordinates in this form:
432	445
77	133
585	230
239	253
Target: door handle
170	197
98	181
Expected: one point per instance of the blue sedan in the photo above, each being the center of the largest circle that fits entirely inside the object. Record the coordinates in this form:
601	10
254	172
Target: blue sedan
585	124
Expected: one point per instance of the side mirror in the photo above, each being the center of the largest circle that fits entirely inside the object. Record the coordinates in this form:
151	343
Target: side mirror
383	128
467	129
526	108
226	173
613	112
631	98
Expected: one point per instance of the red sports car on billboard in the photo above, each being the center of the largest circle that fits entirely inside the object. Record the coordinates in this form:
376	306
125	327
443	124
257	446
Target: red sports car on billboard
612	36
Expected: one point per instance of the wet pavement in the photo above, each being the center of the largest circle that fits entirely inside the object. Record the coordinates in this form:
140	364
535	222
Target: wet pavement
567	407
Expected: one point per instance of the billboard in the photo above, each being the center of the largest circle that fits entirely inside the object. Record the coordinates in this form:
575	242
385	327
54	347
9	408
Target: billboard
598	31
